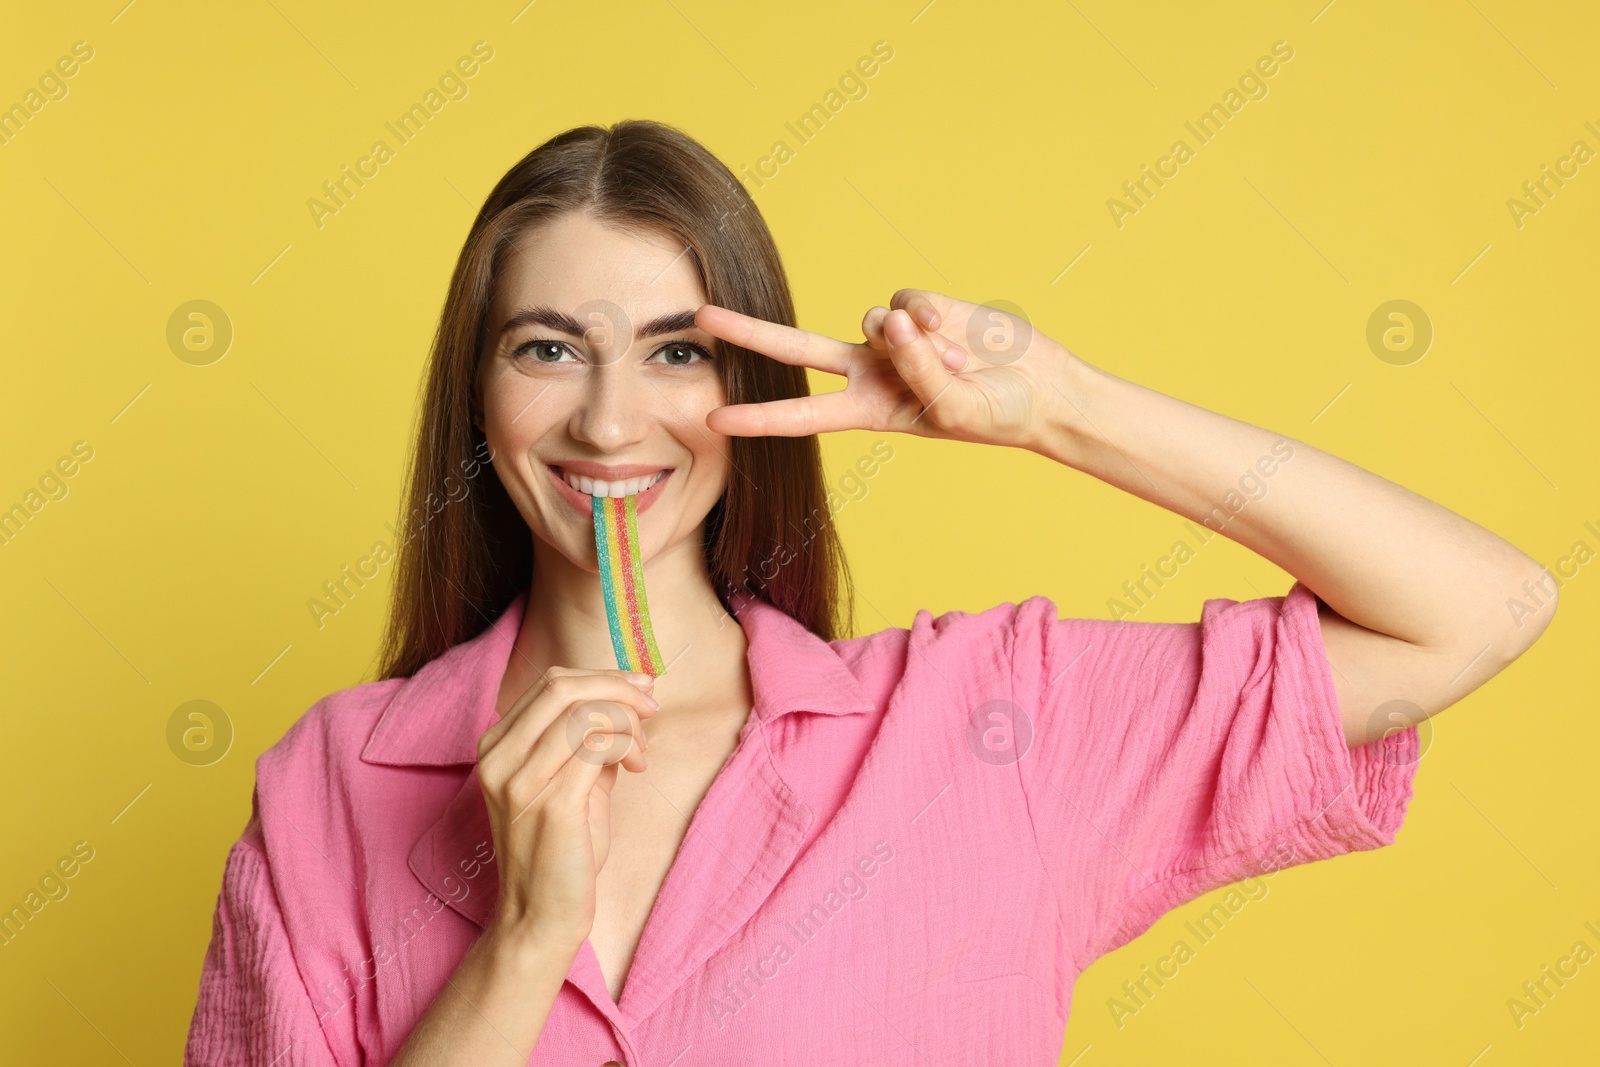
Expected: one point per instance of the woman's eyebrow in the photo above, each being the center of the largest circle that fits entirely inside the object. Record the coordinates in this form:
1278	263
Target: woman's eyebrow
672	322
543	316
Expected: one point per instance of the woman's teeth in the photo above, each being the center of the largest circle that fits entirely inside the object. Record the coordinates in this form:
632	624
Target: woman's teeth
625	487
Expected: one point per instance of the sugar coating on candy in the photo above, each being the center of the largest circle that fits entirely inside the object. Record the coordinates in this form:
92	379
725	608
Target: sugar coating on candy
616	548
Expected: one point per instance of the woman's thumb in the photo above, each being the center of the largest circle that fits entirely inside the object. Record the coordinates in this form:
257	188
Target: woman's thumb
913	355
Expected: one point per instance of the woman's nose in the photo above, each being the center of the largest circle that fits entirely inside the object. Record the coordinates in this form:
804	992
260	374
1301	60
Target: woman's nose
614	410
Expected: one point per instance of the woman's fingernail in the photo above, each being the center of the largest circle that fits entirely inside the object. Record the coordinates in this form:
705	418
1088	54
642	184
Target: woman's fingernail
898	328
648	699
643	681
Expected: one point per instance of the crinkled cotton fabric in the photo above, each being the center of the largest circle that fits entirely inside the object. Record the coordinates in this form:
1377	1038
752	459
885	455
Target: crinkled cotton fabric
921	838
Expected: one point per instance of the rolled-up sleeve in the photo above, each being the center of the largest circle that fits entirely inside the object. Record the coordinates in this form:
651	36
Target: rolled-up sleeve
253	1008
1170	759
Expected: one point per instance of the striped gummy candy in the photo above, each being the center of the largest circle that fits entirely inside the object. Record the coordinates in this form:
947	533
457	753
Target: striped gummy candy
616	547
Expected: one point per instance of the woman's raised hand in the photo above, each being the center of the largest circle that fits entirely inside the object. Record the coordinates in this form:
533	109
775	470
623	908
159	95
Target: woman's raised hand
931	365
547	768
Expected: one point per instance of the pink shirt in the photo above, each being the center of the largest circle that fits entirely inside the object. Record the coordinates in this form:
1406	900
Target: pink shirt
920	840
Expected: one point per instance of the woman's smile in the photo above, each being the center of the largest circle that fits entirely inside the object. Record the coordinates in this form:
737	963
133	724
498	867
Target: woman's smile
647	486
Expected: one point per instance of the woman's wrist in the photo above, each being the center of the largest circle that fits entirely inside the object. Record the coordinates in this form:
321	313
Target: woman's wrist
1067	432
520	947
496	1003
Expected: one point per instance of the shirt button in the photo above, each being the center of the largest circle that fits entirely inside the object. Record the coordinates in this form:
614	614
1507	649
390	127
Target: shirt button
612	1063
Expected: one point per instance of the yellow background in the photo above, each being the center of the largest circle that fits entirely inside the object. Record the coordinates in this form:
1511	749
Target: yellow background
979	163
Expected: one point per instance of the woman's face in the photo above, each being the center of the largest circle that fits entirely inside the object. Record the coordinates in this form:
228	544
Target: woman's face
594	371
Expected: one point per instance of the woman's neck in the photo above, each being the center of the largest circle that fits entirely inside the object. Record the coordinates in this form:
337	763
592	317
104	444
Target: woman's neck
564	624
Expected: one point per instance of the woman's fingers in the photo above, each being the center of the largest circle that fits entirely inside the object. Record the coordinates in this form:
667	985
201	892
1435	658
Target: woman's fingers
605	732
572	688
920	304
915	358
507	743
872	327
906	333
565	786
596	734
944	317
783	343
533	781
952	355
794	417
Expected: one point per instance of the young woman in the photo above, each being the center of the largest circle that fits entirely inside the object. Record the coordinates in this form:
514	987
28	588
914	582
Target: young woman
894	848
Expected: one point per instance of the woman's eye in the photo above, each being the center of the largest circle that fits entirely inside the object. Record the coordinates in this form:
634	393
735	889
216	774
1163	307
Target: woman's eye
681	354
542	351
677	353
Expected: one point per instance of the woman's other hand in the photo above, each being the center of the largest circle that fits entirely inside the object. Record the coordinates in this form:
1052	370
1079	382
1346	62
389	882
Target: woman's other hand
547	768
930	365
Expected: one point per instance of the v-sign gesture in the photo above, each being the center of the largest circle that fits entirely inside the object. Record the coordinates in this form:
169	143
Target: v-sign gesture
932	365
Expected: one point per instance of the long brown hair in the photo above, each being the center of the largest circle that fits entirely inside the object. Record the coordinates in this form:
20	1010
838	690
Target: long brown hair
465	551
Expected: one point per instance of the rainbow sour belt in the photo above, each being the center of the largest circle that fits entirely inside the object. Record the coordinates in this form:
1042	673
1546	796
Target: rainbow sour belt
616	546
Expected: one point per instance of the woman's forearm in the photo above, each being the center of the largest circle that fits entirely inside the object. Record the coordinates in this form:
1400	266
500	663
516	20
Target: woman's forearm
1378	554
495	1005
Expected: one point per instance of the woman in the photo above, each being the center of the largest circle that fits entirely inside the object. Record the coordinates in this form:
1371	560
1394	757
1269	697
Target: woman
895	848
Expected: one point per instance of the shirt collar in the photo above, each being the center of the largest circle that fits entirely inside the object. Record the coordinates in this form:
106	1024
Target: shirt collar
438	713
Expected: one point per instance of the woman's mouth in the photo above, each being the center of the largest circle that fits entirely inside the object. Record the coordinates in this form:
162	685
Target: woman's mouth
579	490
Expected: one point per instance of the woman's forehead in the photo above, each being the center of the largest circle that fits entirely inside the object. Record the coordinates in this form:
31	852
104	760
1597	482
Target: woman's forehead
576	257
